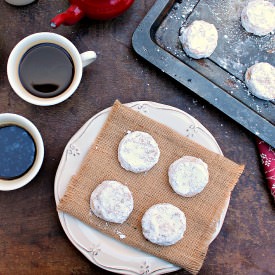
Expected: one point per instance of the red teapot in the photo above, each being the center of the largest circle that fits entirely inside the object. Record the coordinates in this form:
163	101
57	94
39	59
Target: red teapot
94	9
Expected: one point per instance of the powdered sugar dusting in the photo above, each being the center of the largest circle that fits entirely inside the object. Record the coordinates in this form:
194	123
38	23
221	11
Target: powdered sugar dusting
199	39
120	234
258	17
188	176
112	201
237	49
138	152
163	224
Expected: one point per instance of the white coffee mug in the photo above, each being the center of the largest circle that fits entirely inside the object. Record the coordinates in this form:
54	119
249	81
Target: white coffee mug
79	62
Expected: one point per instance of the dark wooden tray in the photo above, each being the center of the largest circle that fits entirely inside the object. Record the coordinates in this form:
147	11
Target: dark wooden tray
220	78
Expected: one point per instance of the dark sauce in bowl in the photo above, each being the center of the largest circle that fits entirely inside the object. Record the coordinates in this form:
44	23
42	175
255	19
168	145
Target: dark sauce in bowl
46	70
17	152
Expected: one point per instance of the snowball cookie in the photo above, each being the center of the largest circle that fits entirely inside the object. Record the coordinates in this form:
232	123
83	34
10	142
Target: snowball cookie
112	201
260	80
163	224
258	17
188	176
199	39
138	152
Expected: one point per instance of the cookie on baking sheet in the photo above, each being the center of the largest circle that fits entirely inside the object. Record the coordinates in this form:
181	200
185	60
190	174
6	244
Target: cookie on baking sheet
258	17
260	80
163	224
138	152
188	176
199	39
112	201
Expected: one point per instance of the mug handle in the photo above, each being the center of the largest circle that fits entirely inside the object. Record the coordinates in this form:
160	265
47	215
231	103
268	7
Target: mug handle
87	58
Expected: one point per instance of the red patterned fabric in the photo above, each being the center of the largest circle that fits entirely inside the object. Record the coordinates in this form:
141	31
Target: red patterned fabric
267	154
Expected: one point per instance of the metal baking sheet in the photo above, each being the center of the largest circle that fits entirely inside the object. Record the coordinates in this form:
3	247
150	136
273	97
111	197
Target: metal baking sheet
218	79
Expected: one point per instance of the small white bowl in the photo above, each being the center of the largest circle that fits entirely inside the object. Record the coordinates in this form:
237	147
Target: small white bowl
13	119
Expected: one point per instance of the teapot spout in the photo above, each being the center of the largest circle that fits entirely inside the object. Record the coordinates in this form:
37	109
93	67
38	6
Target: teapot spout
71	16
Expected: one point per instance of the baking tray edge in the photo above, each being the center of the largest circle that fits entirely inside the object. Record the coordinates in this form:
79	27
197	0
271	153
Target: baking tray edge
144	45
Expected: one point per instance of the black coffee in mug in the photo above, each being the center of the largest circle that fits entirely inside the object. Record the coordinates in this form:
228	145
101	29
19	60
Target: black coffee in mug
46	70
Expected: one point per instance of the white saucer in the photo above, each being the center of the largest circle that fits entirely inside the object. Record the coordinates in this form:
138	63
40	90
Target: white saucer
100	249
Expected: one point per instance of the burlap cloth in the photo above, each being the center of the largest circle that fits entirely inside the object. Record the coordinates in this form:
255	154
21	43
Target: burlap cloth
202	211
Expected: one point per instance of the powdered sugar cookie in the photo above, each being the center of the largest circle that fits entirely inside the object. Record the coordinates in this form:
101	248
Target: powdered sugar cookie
188	176
258	17
138	152
199	39
260	80
163	224
112	201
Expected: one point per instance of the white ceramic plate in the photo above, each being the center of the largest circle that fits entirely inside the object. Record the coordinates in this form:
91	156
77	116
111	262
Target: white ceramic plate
100	249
